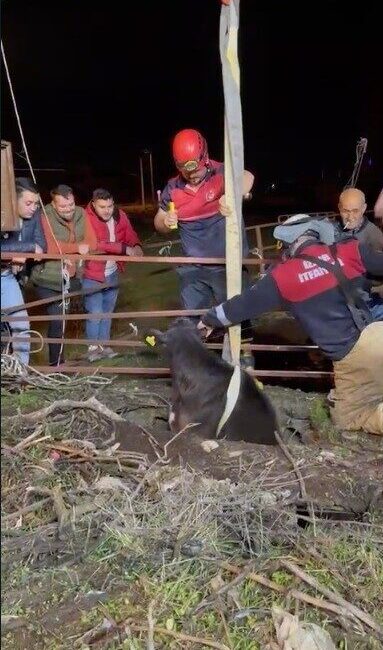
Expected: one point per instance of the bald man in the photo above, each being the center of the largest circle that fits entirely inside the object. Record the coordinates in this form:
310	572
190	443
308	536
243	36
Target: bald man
352	207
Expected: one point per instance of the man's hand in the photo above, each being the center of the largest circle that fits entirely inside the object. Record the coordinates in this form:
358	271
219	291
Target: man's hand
171	220
224	208
83	249
38	249
134	251
18	261
205	329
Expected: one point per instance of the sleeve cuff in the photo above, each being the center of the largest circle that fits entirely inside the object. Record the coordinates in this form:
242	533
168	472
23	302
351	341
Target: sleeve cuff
216	317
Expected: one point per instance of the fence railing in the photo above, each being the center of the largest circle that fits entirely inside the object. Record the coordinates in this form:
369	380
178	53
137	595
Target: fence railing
137	344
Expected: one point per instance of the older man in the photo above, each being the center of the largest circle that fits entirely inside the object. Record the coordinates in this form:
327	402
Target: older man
352	207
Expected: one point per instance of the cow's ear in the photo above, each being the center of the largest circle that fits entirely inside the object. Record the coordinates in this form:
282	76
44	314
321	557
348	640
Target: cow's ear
155	337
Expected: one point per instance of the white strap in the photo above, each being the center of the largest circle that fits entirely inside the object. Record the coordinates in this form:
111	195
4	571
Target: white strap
231	398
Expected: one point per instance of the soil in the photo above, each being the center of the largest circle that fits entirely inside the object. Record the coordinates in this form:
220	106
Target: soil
341	471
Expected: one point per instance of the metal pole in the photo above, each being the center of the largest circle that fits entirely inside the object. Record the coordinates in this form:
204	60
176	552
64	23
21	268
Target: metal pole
151	175
142	184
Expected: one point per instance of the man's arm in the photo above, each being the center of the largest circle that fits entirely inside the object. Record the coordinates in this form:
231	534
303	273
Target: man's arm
378	208
247	182
251	303
39	235
17	246
372	260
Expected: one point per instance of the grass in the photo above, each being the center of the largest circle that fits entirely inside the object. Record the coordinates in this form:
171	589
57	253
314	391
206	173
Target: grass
321	421
136	556
177	587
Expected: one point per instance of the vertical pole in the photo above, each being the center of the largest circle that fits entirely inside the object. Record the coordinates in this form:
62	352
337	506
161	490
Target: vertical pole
142	184
151	176
258	234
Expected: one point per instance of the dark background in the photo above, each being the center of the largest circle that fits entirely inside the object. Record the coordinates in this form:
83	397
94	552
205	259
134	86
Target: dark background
97	82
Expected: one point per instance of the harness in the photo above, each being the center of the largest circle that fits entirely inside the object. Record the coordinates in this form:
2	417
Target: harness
358	309
231	398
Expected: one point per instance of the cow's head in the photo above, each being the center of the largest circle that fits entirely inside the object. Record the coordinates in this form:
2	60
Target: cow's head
178	329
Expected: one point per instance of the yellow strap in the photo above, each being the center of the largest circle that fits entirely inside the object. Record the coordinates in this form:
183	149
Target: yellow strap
233	161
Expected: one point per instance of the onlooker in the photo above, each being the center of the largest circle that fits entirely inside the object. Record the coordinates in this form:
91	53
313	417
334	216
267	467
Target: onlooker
318	283
29	239
67	231
115	235
352	207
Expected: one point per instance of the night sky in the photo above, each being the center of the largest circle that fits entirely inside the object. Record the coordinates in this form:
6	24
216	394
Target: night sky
96	82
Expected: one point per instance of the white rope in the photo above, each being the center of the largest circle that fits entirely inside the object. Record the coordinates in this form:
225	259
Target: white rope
65	303
361	148
13	369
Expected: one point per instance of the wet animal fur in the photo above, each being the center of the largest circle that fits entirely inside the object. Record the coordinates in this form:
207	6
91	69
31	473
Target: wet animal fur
200	379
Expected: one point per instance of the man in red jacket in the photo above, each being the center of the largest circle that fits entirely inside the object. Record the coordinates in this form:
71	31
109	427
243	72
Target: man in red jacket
116	236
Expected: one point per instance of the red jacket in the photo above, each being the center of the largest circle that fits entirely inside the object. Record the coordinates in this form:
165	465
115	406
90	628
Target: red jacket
125	236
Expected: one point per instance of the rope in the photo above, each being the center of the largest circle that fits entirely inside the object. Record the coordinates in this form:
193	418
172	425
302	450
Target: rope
12	369
361	148
7	349
64	288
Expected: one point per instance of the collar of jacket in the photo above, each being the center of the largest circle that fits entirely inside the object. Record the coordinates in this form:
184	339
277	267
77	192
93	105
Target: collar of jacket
51	212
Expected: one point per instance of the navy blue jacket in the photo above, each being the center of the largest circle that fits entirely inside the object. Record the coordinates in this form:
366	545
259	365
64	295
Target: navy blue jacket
310	293
31	234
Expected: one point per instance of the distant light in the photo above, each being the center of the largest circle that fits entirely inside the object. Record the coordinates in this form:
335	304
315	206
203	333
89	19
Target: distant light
370	162
273	186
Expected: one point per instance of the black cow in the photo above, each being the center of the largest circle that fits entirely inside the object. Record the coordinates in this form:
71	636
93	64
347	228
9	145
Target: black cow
200	380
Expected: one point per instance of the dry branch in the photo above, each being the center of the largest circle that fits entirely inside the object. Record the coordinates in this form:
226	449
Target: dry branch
179	636
300	478
32	507
67	404
333	596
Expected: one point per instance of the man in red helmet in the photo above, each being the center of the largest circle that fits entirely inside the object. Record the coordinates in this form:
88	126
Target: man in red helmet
195	194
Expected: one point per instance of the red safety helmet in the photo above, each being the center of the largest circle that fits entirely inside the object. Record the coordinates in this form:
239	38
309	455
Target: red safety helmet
190	150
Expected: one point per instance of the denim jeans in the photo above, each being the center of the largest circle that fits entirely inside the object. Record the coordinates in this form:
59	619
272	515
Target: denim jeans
376	307
11	296
56	328
203	287
103	301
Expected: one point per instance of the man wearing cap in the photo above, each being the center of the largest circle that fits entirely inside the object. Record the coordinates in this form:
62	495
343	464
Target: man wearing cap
319	283
191	202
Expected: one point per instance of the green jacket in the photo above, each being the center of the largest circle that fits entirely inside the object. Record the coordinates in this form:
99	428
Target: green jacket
69	235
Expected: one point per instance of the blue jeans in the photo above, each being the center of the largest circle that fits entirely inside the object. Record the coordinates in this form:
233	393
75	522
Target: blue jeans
11	296
103	301
203	287
376	307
